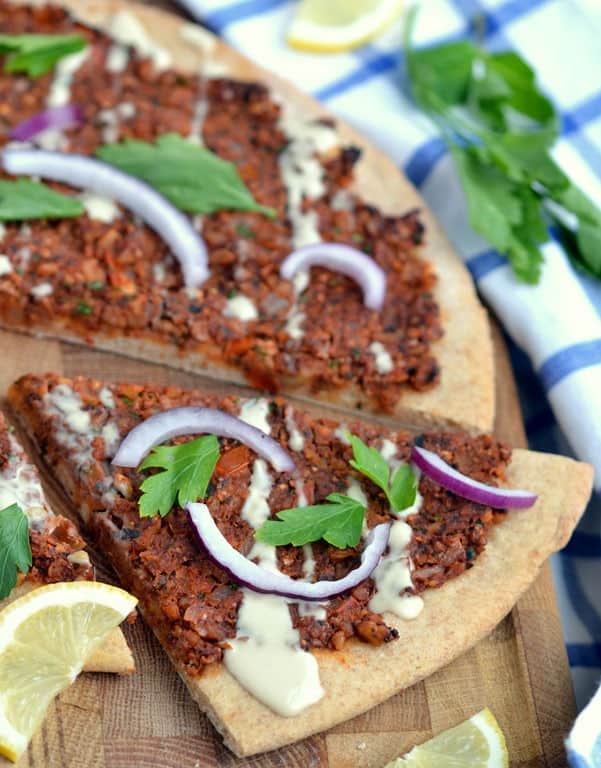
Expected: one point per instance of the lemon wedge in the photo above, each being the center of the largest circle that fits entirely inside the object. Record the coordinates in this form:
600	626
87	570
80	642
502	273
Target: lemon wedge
476	743
45	638
328	26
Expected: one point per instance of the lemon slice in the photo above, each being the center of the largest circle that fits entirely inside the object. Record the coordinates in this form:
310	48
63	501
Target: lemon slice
476	743
328	26
45	638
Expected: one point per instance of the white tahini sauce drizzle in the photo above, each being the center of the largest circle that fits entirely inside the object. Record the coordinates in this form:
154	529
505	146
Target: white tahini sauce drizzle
59	95
393	574
296	441
255	412
117	58
106	398
388	452
384	362
41	290
110	119
99	208
266	657
5	265
241	307
303	177
126	29
342	433
20	484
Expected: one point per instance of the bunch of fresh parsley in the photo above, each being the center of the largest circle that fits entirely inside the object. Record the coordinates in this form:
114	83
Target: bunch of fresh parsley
15	550
500	129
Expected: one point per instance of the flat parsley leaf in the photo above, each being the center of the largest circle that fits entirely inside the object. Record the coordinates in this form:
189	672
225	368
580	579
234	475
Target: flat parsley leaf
193	178
500	128
188	470
15	551
25	199
370	462
37	54
339	523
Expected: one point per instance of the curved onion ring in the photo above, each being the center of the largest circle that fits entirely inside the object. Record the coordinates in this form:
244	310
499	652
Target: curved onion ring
139	197
251	575
191	420
65	116
438	470
341	258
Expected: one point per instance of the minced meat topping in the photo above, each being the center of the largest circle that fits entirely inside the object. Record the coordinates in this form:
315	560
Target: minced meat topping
192	603
117	278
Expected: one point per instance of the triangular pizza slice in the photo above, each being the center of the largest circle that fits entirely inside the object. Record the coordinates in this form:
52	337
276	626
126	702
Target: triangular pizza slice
269	663
57	548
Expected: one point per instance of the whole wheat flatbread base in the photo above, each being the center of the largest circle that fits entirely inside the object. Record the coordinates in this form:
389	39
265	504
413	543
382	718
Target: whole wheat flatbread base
465	395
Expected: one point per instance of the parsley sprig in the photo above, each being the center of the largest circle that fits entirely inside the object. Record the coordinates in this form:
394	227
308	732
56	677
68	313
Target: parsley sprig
500	128
37	54
340	520
26	199
188	471
15	550
193	178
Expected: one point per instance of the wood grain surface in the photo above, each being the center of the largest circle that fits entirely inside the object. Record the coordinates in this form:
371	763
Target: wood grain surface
148	720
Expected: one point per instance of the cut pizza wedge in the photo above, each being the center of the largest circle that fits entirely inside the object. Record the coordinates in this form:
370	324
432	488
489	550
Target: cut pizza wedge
105	278
268	662
57	549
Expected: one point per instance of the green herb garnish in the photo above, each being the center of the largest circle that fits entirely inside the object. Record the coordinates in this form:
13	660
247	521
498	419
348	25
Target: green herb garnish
15	550
188	471
194	179
400	490
37	54
25	199
339	522
500	129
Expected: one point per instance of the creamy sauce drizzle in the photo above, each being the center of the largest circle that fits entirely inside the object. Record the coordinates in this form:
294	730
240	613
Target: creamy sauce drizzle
110	119
255	412
5	265
303	177
242	308
106	398
393	574
59	95
266	657
296	441
20	484
99	208
41	290
126	29
384	362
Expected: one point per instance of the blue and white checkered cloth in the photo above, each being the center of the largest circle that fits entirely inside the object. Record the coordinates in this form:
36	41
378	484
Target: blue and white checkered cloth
557	324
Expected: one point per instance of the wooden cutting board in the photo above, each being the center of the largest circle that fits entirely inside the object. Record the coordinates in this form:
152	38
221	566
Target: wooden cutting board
149	721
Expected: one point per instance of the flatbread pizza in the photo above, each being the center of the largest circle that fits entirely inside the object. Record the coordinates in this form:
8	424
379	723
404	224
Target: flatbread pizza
57	548
270	669
105	278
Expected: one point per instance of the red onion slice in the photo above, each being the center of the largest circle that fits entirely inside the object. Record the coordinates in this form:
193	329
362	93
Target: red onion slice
139	197
438	470
65	116
341	258
251	575
190	420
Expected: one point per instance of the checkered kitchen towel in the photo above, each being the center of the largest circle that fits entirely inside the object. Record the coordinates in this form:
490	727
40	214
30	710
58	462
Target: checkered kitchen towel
557	323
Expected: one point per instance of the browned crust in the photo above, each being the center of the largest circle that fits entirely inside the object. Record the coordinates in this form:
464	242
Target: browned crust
465	395
455	617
